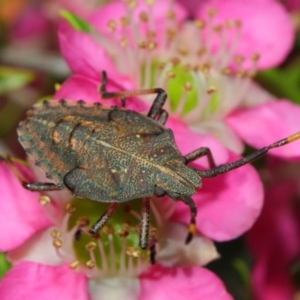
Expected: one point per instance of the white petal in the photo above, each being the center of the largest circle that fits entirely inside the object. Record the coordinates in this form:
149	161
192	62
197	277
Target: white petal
114	288
174	252
37	248
256	95
222	133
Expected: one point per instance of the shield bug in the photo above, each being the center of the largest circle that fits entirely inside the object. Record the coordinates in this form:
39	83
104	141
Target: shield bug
112	154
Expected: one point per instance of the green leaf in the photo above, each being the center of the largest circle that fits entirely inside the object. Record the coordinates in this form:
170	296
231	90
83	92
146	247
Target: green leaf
14	78
75	21
284	83
4	265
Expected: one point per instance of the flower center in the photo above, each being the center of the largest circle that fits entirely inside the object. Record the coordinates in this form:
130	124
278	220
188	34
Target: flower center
116	251
194	61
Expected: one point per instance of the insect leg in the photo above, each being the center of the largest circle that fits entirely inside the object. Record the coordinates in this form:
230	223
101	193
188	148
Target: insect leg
34	186
203	151
156	106
41	186
162	117
248	159
193	209
192	226
103	219
144	229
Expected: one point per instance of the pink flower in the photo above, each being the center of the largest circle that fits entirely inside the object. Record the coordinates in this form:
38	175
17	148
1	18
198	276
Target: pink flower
205	66
292	5
39	19
48	263
274	238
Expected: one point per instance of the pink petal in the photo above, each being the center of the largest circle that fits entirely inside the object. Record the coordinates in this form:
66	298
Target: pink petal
38	248
272	121
269	283
263	22
228	205
84	55
188	140
278	225
90	53
181	283
29	280
190	5
117	10
21	213
79	87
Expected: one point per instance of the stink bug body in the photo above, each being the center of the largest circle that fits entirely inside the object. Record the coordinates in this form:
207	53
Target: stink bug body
111	154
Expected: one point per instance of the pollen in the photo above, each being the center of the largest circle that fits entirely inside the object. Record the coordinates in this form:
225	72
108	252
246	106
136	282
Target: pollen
91	246
57	243
70	208
44	200
111	25
55	233
74	265
90	264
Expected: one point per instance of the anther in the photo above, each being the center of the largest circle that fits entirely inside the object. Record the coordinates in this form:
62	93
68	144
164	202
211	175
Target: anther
239	59
255	57
183	50
211	90
55	233
241	74
44	200
126	225
161	65
226	71
187	67
201	51
170	33
187	86
151	35
90	264
124	21
170	74
124	42
212	12
142	45
229	24
170	15
238	23
74	265
218	28
108	230
130	251
175	61
199	24
136	253
123	233
82	221
144	17
149	2
91	246
57	243
151	45
111	25
70	208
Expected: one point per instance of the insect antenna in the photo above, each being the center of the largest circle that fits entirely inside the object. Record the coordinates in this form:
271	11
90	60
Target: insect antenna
247	159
